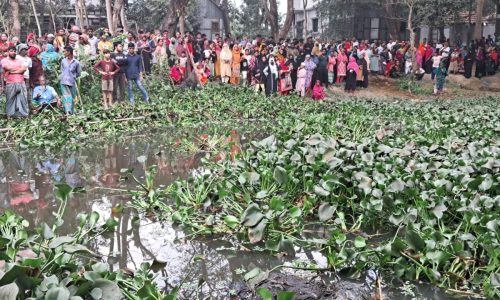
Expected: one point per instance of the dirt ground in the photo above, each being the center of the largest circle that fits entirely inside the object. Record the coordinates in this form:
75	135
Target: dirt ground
455	86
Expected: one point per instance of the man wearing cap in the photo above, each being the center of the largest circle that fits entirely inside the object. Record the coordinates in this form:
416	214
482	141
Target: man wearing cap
15	88
22	49
70	71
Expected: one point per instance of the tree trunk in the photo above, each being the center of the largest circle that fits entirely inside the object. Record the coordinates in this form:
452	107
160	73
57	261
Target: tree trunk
478	30
182	24
36	18
410	4
16	24
272	16
304	23
497	21
117	9
52	17
225	17
123	18
390	22
288	20
109	16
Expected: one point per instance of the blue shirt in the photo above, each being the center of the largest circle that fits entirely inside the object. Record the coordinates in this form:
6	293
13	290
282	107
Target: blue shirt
134	66
70	71
47	95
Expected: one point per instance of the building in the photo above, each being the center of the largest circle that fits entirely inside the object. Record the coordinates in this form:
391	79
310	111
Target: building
211	18
370	22
313	24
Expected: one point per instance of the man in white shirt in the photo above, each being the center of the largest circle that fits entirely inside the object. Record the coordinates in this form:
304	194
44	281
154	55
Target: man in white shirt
22	51
93	40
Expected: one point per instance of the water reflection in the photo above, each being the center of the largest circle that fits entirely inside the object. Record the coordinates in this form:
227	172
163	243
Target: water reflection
28	183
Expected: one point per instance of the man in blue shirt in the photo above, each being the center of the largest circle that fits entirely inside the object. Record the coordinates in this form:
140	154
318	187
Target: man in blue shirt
44	96
134	73
70	71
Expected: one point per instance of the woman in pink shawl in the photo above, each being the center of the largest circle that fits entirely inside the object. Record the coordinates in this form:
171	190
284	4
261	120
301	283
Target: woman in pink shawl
341	66
332	61
352	74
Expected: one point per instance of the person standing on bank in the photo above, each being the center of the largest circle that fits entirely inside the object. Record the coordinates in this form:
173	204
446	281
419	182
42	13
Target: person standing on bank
107	68
15	88
70	71
135	70
120	78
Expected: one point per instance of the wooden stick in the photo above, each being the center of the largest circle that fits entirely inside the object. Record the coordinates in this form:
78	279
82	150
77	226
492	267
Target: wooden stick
119	120
6	129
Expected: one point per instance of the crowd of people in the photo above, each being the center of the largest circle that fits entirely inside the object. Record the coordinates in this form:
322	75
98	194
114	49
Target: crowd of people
305	67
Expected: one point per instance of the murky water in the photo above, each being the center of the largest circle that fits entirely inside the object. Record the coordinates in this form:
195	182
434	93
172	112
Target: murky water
214	267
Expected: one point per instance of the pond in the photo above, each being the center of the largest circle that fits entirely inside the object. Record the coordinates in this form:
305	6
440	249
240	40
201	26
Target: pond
213	267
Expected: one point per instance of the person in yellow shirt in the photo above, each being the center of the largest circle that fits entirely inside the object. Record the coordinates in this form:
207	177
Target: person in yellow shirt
104	43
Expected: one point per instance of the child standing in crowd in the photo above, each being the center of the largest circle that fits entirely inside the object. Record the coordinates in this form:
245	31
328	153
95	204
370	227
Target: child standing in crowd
436	61
107	68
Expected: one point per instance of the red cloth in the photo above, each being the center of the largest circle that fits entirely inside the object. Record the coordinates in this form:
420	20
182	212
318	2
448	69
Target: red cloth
108	67
318	92
175	74
33	51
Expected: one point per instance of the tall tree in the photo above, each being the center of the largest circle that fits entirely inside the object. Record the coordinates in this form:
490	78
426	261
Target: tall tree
14	12
497	20
117	10
33	6
478	29
288	20
109	16
304	24
271	10
224	5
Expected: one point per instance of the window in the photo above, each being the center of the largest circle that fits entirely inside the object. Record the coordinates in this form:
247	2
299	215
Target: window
374	28
215	27
315	25
300	28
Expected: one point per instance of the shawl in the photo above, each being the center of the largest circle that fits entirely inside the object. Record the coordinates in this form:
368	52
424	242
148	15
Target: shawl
428	53
49	55
236	55
226	54
353	65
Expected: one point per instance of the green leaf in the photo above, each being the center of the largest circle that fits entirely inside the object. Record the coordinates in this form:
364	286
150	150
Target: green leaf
486	184
256	234
251	216
71	249
396	186
264	293
438	210
414	240
231	221
280	175
9	291
94	217
47	232
261	194
110	290
96	293
285	295
255	276
12	274
57	293
359	242
58	241
325	212
321	191
63	191
276	204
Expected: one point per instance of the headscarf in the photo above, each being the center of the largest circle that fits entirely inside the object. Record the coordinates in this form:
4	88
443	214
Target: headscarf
21	47
273	68
226	54
33	51
49	55
353	65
